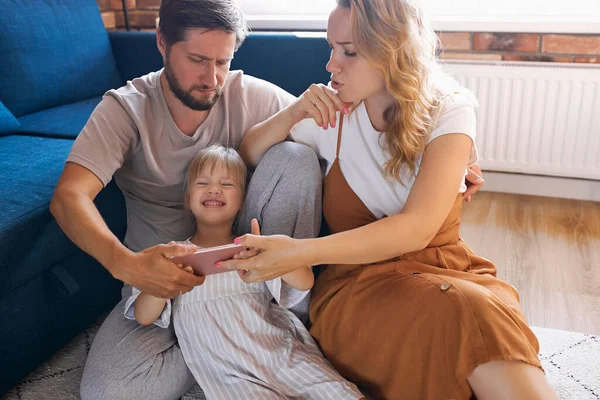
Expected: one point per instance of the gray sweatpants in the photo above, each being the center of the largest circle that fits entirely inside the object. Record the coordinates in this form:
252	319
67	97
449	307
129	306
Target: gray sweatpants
130	361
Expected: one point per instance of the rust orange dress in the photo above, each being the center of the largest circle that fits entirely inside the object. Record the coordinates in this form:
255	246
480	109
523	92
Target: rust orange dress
414	327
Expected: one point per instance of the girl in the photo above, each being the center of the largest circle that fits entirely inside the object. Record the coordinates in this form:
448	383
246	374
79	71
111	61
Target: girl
404	307
236	341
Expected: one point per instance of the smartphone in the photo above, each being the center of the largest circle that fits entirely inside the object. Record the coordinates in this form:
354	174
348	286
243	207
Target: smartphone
203	261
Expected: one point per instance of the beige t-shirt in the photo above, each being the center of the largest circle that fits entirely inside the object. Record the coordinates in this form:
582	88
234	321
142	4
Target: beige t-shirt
131	135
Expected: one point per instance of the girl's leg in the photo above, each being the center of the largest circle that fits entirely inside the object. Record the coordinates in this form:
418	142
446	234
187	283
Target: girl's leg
510	380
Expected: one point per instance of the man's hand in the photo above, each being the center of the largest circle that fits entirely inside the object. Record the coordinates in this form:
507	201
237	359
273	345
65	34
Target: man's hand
154	273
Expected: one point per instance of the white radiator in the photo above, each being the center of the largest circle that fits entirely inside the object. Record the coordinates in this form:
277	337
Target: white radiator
536	118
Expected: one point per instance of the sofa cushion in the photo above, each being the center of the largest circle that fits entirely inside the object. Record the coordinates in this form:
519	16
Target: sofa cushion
291	61
135	53
30	239
62	122
44	314
8	123
53	53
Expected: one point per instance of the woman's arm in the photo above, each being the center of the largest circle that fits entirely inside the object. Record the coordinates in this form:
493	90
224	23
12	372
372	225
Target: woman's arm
435	189
319	102
301	279
440	176
263	136
148	308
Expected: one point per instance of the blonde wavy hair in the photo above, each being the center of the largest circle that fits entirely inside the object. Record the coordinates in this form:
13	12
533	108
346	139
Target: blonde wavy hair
394	37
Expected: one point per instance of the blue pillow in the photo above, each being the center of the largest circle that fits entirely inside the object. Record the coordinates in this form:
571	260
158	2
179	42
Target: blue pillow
53	52
8	122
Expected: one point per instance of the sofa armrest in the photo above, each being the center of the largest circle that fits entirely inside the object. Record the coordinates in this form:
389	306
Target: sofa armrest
135	53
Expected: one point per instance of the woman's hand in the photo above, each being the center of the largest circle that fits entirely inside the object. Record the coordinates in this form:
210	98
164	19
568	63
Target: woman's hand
474	181
277	255
320	103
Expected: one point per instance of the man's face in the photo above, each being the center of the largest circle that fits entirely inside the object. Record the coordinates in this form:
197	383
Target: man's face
196	68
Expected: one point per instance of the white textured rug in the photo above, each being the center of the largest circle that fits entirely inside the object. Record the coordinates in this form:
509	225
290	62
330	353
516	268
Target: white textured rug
571	361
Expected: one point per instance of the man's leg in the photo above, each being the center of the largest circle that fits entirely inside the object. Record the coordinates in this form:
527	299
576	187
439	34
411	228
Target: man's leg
284	193
285	196
130	361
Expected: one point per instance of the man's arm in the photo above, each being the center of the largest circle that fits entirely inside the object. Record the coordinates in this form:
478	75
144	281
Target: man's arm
74	209
149	270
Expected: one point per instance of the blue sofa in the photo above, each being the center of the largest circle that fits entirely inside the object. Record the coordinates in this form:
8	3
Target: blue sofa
57	62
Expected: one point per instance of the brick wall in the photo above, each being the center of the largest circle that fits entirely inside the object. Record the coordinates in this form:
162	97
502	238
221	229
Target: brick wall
457	45
142	14
521	47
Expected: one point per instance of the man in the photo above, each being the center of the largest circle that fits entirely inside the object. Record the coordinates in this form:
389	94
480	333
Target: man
144	135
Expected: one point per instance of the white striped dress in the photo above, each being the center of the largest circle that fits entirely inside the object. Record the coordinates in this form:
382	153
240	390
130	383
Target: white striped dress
240	344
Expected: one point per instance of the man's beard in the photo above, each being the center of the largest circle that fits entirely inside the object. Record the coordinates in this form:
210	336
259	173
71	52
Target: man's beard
186	97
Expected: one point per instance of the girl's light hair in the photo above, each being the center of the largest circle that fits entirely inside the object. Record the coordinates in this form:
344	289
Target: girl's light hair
212	156
395	38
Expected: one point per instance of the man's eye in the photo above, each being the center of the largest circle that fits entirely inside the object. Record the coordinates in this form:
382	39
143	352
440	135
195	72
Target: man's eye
201	183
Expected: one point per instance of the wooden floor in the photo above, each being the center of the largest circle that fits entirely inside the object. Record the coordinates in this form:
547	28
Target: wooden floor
549	249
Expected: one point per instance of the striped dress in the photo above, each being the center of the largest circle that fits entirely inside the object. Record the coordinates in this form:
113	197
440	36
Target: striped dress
241	341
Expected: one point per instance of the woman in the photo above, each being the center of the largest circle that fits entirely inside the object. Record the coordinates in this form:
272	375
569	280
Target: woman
404	308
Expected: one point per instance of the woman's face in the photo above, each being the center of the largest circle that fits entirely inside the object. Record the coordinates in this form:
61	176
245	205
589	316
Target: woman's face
351	75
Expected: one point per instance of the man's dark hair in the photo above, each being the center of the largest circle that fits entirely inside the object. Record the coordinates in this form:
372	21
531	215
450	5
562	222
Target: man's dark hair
177	16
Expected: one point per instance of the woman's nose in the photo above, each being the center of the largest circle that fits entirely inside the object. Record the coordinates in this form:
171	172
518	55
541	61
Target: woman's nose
333	66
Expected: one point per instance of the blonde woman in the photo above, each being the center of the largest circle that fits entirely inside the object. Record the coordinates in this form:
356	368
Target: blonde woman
404	308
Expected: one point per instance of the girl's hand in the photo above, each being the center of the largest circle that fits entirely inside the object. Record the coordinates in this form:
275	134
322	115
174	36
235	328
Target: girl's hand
320	103
250	252
278	255
187	268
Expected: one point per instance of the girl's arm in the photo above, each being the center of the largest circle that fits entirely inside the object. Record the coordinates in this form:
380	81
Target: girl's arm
148	308
301	279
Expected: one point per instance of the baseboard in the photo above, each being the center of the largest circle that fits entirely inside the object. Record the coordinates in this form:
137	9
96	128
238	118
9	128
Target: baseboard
538	185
